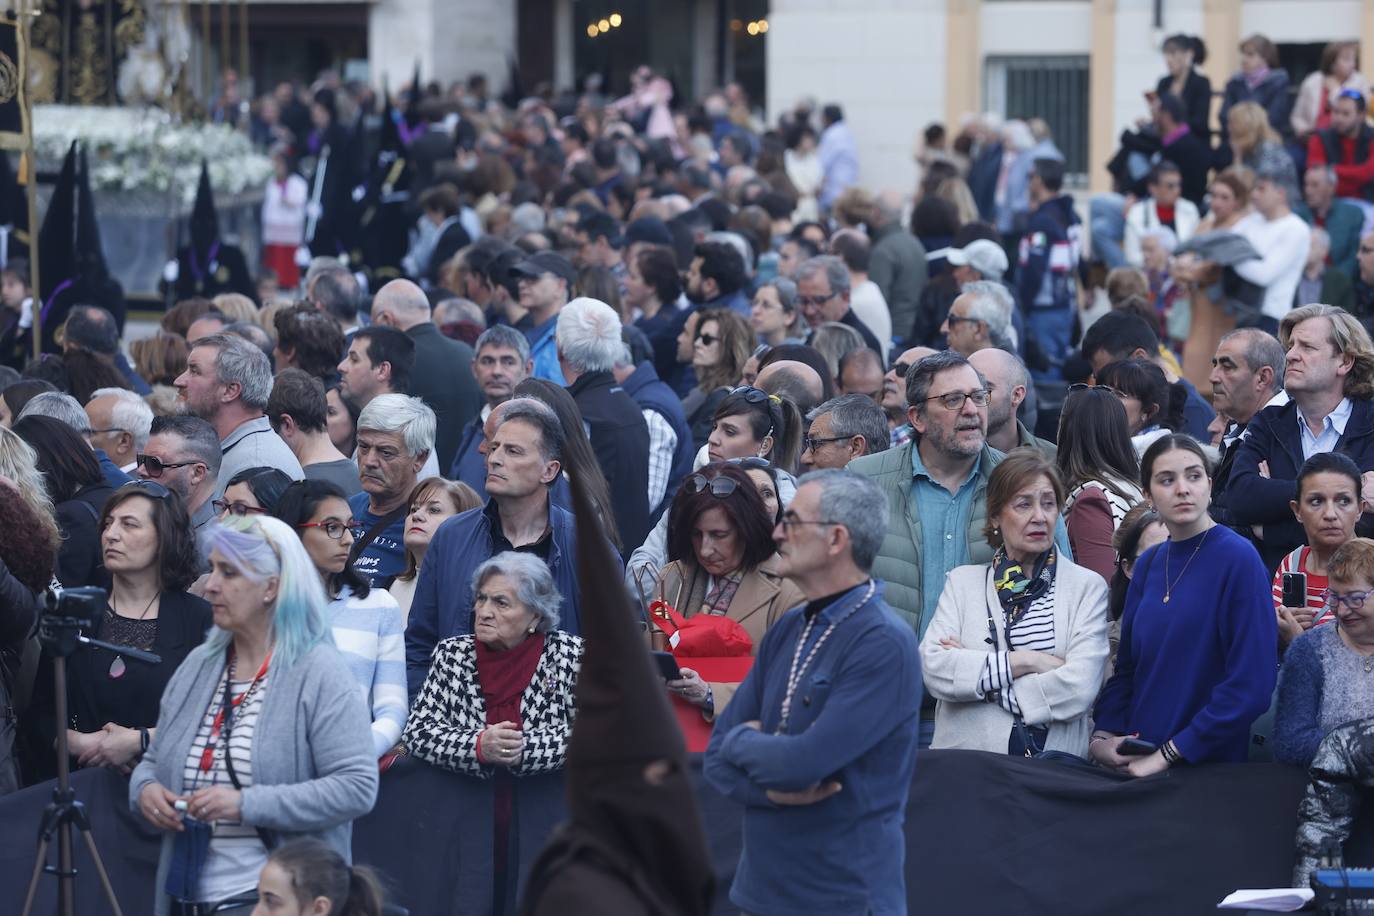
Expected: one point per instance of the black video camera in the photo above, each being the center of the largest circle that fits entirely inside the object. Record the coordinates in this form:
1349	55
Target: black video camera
66	614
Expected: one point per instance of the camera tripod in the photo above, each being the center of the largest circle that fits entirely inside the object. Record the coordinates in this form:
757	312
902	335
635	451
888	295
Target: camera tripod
60	635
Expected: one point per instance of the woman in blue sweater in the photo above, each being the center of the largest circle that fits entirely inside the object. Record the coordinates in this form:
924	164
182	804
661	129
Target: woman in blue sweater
1197	661
1328	673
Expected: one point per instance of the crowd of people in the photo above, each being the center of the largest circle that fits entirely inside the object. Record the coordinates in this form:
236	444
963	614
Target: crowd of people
878	480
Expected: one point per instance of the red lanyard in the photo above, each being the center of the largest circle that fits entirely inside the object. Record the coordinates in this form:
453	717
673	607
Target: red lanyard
207	757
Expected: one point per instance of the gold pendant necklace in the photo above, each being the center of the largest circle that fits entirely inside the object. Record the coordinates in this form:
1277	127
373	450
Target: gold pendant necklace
1169	589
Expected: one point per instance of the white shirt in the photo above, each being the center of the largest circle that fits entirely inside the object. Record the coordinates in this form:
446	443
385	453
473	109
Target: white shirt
868	303
1333	427
283	211
1282	245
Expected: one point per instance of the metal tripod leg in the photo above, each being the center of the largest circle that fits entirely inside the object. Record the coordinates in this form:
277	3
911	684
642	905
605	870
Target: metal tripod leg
59	817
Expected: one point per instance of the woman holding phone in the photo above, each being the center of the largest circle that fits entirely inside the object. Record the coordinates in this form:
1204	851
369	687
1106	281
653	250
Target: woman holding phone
1196	663
1328	506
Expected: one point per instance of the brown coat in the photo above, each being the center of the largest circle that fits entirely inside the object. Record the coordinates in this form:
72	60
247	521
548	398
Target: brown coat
762	598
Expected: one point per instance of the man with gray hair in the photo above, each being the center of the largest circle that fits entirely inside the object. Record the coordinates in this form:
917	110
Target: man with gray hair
334	290
183	454
442	372
823	295
896	262
395	437
784	750
842	429
119	422
588	338
524	461
1247	376
58	406
980	317
503	361
1342	220
227	383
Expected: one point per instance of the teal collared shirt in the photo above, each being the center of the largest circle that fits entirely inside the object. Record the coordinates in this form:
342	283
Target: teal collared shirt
944	529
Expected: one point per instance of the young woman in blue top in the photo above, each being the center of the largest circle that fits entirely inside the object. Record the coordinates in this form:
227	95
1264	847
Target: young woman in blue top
1197	661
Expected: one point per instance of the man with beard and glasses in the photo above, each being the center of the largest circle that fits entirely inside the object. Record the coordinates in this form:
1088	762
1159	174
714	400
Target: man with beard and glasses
936	486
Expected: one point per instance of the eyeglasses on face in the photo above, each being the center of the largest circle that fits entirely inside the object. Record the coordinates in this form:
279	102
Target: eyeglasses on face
814	442
110	429
240	509
1353	600
804	301
155	466
333	528
955	319
708	339
901	369
720	487
790	521
954	400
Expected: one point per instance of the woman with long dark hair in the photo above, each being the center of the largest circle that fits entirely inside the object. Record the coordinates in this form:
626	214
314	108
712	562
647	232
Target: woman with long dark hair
1194	690
720	346
578	458
1100	473
77	489
366	621
751	422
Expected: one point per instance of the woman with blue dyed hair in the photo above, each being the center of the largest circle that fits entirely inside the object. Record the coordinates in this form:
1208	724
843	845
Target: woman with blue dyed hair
262	735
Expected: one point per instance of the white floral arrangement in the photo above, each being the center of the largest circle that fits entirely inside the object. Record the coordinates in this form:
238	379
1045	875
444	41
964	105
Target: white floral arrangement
144	150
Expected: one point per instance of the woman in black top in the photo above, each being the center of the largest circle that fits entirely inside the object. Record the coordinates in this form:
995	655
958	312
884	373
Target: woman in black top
78	492
1183	54
150	553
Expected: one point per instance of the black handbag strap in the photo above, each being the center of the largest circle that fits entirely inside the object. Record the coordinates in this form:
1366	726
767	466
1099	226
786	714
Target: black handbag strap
269	839
1022	731
377	528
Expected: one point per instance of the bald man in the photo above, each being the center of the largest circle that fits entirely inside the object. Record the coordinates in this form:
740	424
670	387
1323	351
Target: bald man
894	393
1008	381
788	378
861	372
442	376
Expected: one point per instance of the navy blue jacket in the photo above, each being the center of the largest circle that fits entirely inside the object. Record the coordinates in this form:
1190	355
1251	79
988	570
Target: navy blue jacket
470	465
1273	436
1049	256
459	546
651	393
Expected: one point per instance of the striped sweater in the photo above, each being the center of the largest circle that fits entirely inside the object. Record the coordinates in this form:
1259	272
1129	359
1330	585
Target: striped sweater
371	637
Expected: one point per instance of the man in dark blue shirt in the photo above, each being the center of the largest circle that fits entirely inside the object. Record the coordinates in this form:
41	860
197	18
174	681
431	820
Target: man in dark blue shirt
395	436
820	740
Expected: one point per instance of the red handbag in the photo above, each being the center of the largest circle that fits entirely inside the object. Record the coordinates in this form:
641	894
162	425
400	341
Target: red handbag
715	647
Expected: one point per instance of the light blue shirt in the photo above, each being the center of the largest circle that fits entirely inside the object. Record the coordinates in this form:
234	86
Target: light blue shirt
944	530
1333	427
544	352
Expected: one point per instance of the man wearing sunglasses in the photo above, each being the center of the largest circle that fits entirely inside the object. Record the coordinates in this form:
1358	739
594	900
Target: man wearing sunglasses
894	394
183	454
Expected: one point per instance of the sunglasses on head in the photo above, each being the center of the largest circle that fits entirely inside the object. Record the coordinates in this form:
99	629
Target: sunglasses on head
155	466
754	395
752	463
720	487
147	488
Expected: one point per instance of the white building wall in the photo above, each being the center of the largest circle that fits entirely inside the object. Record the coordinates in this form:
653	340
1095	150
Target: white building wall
1290	21
1138	53
882	60
449	38
1039	27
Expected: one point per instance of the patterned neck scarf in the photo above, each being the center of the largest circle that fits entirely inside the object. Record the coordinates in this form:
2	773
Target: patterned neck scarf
721	594
1016	591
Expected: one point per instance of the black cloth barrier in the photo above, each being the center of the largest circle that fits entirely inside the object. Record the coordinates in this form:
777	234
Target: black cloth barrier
985	834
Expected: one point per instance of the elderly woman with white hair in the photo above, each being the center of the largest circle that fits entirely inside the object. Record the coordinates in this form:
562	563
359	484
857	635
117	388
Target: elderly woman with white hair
499	704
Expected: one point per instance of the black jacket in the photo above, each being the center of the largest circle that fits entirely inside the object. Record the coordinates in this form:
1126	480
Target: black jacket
78	518
620	439
19	610
454	239
443	379
1197	102
1273	436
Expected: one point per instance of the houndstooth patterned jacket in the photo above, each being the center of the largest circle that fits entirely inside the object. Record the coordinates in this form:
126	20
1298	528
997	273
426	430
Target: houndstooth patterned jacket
450	713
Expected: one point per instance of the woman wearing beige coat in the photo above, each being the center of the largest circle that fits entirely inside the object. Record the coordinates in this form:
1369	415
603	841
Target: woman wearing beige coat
721	549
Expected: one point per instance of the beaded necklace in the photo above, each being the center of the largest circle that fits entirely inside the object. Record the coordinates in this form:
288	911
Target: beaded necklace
799	666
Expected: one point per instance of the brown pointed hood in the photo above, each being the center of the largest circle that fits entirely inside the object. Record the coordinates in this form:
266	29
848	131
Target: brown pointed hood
624	724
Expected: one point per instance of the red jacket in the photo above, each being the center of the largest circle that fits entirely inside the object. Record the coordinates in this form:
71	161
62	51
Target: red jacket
1353	175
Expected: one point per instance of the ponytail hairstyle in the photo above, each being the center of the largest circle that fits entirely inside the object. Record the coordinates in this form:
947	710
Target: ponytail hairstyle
769	416
316	870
